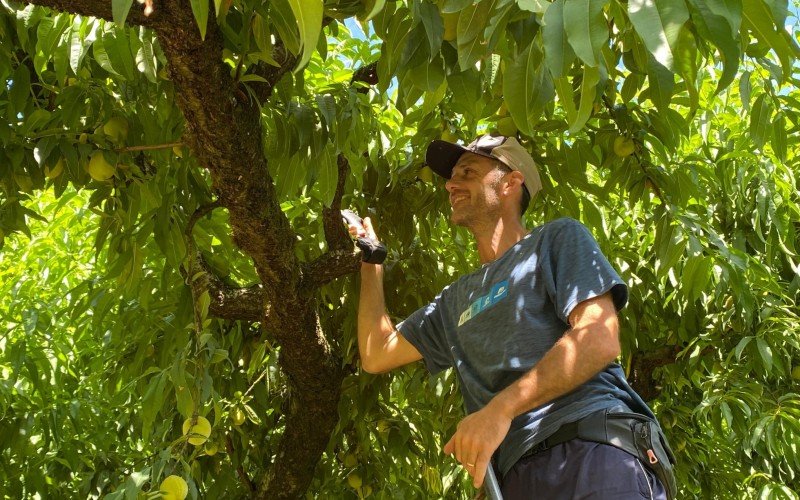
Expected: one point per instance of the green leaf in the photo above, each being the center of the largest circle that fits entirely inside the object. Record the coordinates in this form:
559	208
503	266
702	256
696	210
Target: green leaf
566	97
77	49
662	84
527	88
469	32
184	402
740	347
101	56
280	13
745	89
717	30
779	136
416	50
591	76
759	20
686	65
20	88
659	23
451	6
176	250
586	28
727	414
766	353
466	88
472	20
152	402
392	50
48	34
558	53
729	10
695	277
761	120
428	77
434	27
118	48
377	6
308	14
145	57
203	303
537	6
200	11
119	10
432	99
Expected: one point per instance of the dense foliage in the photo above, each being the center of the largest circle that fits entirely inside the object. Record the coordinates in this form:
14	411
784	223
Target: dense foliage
670	128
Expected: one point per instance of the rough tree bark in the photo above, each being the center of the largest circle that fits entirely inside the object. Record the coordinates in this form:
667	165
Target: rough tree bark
642	366
223	131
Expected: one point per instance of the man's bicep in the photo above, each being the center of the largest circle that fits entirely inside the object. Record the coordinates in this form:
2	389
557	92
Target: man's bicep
597	311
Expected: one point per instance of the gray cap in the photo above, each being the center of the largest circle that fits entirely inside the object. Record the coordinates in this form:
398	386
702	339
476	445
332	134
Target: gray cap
442	156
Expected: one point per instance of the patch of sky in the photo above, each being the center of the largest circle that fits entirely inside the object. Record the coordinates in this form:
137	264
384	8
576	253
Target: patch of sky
364	32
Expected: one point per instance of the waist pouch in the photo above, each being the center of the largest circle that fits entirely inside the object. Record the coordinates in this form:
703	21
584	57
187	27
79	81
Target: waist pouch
637	434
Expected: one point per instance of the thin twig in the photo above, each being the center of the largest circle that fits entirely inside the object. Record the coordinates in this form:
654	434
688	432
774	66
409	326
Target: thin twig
149	147
239	469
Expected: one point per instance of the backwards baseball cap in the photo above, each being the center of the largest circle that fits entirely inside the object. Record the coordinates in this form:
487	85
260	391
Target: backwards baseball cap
442	156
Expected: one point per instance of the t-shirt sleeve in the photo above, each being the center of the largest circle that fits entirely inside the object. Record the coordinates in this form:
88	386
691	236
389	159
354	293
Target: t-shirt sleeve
424	329
576	270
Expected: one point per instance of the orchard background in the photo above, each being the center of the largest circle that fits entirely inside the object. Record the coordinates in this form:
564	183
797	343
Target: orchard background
171	174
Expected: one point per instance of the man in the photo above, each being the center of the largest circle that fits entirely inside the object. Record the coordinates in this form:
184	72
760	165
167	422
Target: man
532	334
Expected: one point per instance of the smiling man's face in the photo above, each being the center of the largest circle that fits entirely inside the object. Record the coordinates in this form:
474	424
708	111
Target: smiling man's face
474	188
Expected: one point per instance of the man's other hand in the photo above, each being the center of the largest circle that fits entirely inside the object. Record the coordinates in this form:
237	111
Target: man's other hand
477	437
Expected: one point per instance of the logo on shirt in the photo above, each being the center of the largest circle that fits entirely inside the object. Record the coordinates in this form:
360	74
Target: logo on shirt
498	293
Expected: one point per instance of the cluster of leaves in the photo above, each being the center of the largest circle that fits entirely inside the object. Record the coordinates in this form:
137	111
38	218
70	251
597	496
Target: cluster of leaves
105	352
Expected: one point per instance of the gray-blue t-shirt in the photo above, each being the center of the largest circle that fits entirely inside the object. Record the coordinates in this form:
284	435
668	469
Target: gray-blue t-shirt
494	324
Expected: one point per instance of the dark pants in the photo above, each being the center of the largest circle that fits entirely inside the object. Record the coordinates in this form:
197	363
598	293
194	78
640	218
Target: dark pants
581	469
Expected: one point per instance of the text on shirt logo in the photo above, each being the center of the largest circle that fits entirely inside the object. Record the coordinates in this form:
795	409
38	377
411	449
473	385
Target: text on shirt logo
499	291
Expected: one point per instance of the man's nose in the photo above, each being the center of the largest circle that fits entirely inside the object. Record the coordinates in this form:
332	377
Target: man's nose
450	184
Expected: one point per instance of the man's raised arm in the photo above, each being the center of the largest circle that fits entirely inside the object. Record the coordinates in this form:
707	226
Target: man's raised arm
381	346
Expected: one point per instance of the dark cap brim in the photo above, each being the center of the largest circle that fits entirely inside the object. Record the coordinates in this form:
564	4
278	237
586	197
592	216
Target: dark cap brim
442	156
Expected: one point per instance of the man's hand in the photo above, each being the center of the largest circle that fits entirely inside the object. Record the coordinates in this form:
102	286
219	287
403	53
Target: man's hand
477	437
364	231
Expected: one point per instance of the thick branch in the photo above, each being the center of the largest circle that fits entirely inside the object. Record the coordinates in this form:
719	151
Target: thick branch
227	302
333	226
102	10
311	415
339	260
328	267
273	74
225	135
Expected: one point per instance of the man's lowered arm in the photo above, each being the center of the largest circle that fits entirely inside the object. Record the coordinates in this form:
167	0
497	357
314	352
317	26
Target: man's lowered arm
584	350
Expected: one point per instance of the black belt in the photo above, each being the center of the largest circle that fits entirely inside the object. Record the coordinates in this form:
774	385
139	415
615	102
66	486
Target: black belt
566	432
636	434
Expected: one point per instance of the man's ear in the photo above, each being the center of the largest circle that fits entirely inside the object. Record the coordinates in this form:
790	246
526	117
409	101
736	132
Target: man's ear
514	179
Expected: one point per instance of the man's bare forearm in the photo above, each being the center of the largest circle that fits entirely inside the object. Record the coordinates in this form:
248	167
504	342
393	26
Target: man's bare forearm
373	322
575	358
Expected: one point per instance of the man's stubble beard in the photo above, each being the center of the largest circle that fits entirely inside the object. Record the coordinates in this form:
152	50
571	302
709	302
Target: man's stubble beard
472	217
